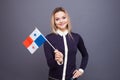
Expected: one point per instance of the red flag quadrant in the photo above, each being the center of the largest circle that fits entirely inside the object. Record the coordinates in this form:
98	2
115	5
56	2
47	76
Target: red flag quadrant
34	41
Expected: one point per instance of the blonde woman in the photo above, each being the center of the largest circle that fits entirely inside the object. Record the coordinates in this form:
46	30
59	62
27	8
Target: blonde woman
62	60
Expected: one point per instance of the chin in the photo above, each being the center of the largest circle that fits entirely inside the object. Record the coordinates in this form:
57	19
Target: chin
63	27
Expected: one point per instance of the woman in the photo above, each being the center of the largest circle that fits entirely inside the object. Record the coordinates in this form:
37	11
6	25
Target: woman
62	59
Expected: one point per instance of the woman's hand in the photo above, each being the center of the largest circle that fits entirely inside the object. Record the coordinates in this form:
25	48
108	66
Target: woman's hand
77	73
58	56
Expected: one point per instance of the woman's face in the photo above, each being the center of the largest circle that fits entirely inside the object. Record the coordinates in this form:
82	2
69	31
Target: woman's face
61	20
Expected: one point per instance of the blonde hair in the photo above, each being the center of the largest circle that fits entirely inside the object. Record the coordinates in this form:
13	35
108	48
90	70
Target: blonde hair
54	27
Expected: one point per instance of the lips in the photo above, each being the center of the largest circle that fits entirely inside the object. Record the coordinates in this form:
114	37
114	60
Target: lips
62	24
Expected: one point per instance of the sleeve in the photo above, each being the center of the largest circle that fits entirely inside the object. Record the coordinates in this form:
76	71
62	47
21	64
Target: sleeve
84	53
49	54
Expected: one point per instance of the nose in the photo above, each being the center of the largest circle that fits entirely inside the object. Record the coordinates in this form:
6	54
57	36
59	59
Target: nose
61	21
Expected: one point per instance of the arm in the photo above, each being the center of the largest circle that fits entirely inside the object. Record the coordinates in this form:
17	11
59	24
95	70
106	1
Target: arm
50	57
84	53
82	49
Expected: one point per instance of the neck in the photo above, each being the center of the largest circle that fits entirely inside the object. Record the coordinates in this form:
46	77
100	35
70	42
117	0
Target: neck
62	32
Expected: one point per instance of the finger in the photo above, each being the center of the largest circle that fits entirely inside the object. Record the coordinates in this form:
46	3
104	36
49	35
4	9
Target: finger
55	51
56	59
61	60
74	71
57	56
75	75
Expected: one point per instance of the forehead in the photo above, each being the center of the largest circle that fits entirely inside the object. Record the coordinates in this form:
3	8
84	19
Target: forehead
60	14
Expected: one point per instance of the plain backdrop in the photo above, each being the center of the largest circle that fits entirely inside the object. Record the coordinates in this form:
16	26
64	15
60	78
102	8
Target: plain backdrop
97	21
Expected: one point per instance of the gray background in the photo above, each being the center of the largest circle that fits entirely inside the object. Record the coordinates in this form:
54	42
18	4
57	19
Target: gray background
97	21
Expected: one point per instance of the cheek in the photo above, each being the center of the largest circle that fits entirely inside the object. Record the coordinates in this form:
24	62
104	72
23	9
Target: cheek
66	20
56	22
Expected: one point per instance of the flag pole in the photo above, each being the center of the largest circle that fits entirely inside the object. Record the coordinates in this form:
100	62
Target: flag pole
48	42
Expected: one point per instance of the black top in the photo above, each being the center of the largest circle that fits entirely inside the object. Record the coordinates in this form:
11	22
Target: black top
75	42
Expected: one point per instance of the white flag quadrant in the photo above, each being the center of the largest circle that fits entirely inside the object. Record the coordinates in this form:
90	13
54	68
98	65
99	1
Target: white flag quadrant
34	41
33	47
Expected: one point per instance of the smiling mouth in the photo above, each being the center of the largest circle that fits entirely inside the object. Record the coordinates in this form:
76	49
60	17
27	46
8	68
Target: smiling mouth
62	24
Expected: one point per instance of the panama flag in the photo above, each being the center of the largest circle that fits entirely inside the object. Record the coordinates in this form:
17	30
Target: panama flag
34	41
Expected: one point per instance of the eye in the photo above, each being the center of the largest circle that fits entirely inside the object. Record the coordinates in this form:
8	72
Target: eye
57	19
64	17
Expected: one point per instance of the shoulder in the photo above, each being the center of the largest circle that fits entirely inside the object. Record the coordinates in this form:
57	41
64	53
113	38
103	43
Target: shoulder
76	35
51	35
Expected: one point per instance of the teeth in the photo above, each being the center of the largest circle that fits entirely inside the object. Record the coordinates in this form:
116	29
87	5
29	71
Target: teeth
62	24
